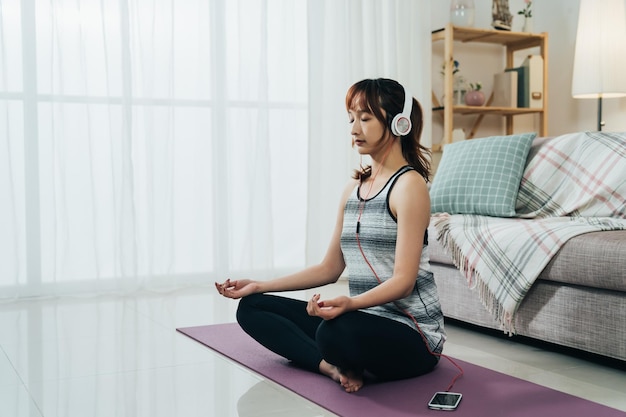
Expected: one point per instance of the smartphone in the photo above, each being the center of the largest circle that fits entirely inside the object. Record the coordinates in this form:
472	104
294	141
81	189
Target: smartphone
445	401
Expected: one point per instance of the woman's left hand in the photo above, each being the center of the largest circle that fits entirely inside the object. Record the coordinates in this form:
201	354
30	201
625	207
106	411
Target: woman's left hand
328	309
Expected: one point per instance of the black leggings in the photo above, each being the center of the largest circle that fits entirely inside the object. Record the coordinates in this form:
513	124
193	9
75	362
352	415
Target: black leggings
354	342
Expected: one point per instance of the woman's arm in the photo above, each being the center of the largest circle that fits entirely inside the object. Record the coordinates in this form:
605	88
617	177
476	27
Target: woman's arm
326	272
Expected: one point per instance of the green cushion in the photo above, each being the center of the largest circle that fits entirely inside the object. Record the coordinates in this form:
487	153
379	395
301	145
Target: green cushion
481	176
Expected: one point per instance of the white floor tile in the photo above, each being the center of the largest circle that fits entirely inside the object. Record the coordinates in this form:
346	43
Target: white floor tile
206	389
265	399
133	348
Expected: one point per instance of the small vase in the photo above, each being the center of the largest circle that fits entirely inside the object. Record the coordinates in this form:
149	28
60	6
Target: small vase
474	98
458	97
462	13
528	25
459	90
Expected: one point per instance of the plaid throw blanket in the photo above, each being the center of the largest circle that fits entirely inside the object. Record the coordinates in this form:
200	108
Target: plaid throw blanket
575	184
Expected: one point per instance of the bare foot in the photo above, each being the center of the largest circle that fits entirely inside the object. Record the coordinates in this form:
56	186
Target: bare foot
330	370
350	381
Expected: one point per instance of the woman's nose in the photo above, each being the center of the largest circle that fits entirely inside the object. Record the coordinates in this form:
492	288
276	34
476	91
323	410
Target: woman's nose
356	128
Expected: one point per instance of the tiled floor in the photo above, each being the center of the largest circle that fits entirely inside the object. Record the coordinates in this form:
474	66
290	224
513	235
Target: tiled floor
121	356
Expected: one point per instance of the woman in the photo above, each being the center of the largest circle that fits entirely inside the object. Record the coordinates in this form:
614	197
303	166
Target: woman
391	325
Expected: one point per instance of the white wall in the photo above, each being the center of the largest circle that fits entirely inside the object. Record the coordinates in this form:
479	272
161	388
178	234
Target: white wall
559	19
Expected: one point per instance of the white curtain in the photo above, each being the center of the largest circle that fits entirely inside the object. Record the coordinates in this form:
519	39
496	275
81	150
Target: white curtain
152	144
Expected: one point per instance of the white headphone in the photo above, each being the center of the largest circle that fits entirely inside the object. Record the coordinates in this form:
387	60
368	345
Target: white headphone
401	123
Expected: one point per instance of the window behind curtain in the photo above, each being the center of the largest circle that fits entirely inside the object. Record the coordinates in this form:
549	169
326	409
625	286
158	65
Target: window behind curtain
144	143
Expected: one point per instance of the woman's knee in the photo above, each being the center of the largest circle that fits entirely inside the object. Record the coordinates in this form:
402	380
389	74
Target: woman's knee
247	305
330	334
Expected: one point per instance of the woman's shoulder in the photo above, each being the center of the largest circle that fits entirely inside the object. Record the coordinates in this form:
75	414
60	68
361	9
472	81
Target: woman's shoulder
409	188
410	195
409	178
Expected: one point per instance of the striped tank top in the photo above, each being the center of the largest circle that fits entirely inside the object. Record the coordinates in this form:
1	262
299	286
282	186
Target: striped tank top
378	233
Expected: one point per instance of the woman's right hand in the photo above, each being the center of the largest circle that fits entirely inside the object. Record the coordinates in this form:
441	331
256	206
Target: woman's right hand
236	289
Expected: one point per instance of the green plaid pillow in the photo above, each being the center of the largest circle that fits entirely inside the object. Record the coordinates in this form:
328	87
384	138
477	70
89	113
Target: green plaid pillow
481	176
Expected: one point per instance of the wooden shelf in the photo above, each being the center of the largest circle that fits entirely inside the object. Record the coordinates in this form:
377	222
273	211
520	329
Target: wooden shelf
516	40
502	111
511	42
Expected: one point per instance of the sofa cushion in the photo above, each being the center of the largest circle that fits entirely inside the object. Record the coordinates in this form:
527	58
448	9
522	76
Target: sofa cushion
593	259
481	176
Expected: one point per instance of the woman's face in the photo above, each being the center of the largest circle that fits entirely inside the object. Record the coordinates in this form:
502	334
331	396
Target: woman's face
368	133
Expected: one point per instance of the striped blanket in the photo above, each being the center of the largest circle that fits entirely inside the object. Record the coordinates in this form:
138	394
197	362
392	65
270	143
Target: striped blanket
575	184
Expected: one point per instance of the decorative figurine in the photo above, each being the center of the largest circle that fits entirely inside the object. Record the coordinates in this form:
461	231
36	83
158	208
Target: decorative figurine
502	17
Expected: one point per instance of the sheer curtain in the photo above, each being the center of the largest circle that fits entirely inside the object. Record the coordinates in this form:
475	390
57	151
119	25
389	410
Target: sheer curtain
150	144
156	144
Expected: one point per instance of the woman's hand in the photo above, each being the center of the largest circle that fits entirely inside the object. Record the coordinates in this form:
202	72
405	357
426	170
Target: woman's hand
236	289
328	309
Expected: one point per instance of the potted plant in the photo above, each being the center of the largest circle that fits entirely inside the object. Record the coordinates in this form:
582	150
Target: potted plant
528	15
475	97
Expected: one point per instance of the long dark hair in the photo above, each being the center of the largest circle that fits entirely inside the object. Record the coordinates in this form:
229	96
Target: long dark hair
376	95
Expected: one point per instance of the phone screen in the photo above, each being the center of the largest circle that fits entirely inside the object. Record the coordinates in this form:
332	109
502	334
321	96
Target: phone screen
445	400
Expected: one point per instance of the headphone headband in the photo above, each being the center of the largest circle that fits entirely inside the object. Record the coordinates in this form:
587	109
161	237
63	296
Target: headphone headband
401	123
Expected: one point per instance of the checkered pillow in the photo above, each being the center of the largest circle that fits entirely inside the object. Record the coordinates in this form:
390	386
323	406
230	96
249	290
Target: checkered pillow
481	176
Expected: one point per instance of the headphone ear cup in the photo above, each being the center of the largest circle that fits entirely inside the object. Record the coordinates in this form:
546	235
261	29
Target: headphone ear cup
401	125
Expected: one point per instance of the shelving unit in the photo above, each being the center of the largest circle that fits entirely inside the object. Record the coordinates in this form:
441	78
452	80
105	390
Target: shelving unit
511	42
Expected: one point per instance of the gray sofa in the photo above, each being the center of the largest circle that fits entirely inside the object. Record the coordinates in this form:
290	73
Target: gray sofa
579	300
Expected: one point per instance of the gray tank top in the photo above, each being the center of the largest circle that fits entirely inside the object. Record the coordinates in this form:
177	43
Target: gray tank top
378	233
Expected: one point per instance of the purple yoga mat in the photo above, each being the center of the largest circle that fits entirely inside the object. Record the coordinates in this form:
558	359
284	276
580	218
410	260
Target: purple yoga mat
485	392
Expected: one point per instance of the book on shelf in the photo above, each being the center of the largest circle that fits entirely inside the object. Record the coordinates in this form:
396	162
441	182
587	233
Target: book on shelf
534	63
529	82
522	87
505	89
